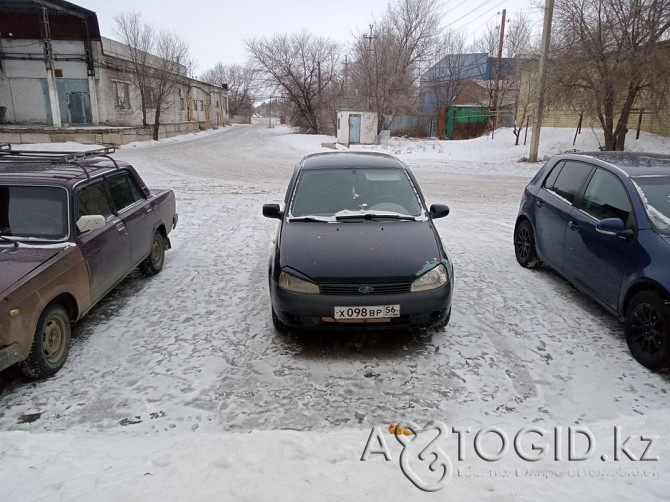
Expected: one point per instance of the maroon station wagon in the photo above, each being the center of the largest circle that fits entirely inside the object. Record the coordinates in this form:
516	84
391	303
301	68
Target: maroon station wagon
72	226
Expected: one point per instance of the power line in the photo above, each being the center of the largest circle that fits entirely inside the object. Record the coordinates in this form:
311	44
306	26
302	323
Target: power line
473	10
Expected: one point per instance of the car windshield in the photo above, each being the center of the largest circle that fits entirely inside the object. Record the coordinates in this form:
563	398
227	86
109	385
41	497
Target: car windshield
655	192
350	191
30	212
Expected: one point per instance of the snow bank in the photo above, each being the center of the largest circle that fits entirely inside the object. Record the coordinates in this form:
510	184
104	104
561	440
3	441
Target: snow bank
296	466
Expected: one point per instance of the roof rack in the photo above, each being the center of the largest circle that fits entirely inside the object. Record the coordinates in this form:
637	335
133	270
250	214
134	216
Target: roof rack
9	154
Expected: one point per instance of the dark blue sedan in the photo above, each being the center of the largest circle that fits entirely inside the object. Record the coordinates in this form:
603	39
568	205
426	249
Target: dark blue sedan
602	220
356	247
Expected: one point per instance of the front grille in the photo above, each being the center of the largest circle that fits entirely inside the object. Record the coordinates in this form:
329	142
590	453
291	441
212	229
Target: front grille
356	289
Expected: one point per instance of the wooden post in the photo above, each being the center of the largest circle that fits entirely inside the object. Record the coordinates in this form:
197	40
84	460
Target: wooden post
579	128
639	124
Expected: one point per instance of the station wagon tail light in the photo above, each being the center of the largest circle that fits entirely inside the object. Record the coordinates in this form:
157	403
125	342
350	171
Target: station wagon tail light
432	279
292	283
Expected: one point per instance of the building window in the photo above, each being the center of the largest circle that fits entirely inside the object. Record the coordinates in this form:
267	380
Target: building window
209	99
181	102
180	94
122	94
149	97
217	104
202	105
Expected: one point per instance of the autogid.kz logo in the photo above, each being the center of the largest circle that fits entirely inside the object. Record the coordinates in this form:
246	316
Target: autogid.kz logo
425	462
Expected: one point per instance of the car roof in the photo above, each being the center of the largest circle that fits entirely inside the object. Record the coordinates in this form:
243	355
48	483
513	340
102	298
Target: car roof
374	160
632	164
65	174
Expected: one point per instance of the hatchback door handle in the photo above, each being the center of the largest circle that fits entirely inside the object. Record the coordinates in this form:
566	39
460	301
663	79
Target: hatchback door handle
148	208
540	203
573	225
120	227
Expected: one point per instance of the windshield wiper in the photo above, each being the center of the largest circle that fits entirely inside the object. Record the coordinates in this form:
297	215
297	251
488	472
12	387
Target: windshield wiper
375	216
308	219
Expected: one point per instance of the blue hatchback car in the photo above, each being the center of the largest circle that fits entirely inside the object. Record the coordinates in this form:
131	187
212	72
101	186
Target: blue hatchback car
602	220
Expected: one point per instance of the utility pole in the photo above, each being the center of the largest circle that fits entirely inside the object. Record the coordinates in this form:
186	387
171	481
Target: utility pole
346	76
369	37
318	108
496	88
544	51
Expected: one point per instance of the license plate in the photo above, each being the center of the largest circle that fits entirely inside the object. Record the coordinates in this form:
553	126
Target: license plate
367	312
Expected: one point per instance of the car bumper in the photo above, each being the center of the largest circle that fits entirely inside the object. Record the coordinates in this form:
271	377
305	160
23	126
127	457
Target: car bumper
316	312
9	355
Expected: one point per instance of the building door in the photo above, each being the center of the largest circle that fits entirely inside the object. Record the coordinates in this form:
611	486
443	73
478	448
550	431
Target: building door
354	128
74	100
208	112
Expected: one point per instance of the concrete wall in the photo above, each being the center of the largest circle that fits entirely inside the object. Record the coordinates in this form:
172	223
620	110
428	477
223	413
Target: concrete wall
655	119
95	136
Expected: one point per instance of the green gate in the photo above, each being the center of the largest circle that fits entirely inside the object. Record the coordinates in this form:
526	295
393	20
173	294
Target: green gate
464	122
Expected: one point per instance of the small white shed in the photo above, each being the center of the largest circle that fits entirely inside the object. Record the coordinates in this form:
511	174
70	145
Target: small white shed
356	127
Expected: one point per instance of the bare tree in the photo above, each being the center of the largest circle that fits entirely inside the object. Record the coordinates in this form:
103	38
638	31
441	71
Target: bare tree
243	85
168	72
387	62
301	66
517	44
442	82
607	55
139	37
159	61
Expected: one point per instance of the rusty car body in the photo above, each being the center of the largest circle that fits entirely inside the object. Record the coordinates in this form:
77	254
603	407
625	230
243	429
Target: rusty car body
72	226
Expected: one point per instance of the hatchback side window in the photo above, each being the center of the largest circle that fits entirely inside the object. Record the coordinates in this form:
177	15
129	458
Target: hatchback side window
571	180
551	179
606	197
93	200
123	191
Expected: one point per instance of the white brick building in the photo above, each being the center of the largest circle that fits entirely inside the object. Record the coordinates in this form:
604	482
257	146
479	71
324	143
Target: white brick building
56	70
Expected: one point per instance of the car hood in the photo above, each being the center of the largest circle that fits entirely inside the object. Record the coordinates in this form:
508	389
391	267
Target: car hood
16	262
361	251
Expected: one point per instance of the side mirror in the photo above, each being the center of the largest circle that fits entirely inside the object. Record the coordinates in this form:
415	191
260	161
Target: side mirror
614	227
90	222
439	211
272	211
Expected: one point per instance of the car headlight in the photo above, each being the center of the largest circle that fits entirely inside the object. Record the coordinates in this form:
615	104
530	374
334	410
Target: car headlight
432	279
292	283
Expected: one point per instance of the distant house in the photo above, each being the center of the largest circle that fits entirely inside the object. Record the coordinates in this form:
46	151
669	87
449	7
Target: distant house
444	81
56	70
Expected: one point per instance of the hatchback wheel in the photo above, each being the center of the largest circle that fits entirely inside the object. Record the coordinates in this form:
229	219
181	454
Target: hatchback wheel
524	246
648	330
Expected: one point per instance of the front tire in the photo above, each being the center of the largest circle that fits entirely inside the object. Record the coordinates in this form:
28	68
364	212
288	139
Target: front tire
648	330
51	343
524	246
154	262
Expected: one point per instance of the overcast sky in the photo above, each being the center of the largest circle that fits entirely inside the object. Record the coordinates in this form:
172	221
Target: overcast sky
217	29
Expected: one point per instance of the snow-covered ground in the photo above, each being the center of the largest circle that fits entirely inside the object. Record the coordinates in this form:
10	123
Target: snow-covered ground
178	388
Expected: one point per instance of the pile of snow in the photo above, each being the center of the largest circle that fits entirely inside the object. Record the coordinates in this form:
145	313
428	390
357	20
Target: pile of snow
308	466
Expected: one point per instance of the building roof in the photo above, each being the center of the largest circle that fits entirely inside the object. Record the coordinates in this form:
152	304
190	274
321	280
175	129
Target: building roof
19	17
